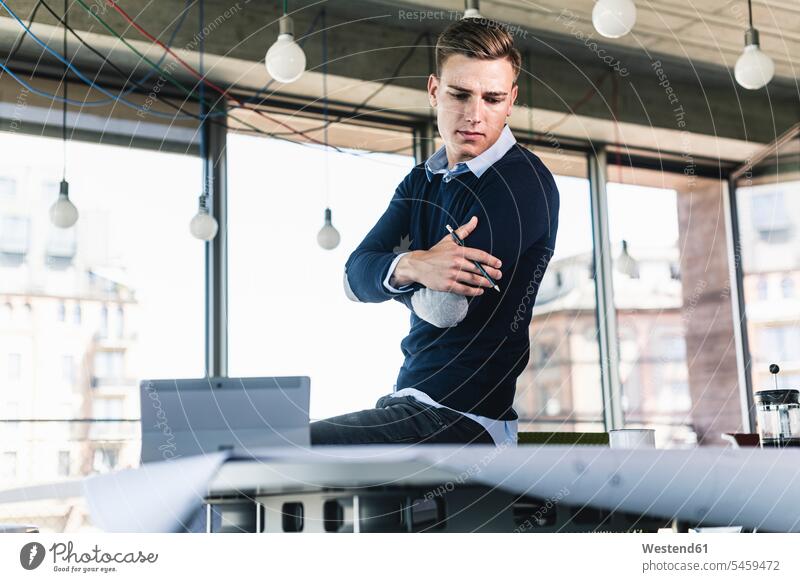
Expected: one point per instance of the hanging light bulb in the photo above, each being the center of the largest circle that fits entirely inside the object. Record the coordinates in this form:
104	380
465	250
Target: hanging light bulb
754	69
328	237
63	212
471	9
203	226
285	60
614	18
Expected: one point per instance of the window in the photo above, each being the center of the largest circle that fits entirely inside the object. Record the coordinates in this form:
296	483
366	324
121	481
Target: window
762	288
64	464
130	247
14	235
787	287
105	459
669	275
8	188
560	388
103	330
62	244
8	466
782	343
288	311
68	369
14	367
769	214
109	365
107	408
120	330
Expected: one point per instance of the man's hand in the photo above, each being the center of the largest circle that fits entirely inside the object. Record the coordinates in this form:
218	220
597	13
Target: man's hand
447	266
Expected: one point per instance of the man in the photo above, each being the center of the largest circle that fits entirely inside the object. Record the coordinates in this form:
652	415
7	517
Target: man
468	342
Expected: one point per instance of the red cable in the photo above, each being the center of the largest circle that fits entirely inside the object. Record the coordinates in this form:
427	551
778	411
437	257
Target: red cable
200	77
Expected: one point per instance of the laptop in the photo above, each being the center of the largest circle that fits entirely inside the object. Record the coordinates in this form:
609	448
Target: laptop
181	418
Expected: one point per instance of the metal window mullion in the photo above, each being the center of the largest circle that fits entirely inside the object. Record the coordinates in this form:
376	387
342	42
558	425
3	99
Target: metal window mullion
217	251
424	136
604	294
736	277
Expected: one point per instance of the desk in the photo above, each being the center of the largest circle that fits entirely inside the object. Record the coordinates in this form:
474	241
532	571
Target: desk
483	488
449	488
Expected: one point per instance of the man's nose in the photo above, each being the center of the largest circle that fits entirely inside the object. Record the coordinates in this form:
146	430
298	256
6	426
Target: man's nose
474	111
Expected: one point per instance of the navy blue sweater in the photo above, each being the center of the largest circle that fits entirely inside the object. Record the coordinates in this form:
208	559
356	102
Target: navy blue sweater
473	366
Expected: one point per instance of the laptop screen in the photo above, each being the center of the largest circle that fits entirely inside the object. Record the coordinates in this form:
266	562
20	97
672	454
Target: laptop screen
194	416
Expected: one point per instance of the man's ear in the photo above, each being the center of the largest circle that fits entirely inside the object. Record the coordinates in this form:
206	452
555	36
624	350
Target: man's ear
514	91
433	88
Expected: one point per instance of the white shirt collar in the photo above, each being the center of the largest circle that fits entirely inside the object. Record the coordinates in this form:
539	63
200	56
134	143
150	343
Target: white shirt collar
437	163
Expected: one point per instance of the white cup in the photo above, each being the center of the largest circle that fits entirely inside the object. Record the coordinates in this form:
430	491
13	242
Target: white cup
632	438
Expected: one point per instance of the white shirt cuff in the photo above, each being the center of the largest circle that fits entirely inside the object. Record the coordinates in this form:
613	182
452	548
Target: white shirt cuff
389	276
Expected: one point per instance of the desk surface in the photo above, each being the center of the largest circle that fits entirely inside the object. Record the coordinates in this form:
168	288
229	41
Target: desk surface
750	487
755	488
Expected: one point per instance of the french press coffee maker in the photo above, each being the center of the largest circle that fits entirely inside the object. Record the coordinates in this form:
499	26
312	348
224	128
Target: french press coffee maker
778	415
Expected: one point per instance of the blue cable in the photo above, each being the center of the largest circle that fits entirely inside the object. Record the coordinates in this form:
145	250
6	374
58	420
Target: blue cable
81	76
77	103
150	73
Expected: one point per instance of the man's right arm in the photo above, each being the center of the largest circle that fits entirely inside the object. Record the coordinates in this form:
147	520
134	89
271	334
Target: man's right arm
367	271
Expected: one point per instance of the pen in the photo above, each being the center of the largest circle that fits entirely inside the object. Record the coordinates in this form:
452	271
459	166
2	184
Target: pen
476	263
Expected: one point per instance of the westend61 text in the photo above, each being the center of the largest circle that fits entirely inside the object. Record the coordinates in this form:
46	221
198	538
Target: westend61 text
675	549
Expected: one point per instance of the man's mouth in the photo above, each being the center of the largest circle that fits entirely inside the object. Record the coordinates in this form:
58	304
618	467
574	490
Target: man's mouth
470	134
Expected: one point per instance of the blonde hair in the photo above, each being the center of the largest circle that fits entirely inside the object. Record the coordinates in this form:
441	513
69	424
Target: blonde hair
477	38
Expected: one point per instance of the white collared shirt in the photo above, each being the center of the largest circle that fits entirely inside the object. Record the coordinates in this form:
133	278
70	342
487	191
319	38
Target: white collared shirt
437	163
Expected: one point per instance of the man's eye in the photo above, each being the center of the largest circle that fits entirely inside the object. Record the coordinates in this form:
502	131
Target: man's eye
461	96
493	100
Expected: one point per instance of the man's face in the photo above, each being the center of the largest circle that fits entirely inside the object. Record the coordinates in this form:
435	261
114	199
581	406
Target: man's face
472	99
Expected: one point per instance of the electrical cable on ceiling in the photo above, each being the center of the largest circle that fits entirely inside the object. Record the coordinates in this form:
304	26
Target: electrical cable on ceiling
106	60
4	67
64	104
325	107
263	132
274	134
166	74
578	104
71	67
260	95
91	84
350	115
21	36
203	110
254	129
155	68
236	100
201	78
